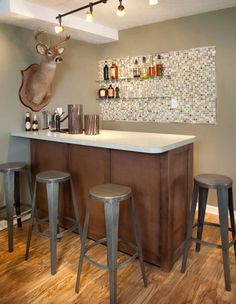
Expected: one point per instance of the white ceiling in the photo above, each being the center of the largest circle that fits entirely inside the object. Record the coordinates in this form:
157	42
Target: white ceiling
41	14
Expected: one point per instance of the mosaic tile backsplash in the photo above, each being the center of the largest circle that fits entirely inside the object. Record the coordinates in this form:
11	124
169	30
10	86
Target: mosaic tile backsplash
186	93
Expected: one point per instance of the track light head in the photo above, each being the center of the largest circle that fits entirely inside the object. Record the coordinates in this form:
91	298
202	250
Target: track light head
153	2
120	9
89	14
59	28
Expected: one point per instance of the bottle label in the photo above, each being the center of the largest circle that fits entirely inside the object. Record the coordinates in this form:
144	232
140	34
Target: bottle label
111	93
27	125
113	73
102	93
35	127
159	70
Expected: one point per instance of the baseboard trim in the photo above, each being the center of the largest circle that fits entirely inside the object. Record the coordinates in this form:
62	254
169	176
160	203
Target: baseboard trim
212	210
3	223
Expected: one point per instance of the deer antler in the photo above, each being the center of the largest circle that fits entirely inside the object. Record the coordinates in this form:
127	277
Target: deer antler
36	37
62	41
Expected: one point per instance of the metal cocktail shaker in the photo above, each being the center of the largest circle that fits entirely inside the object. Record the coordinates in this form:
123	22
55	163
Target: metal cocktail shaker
91	124
75	118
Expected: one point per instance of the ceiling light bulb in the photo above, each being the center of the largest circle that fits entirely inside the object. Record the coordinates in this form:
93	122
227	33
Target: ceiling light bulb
120	9
89	17
59	29
153	2
89	14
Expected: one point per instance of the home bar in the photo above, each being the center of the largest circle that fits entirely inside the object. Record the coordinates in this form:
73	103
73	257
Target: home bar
158	167
117	151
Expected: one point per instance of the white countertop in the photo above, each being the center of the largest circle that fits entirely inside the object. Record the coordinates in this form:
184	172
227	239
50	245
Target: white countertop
119	140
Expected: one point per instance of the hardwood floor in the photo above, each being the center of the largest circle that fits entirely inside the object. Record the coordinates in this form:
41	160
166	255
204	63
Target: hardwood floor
30	281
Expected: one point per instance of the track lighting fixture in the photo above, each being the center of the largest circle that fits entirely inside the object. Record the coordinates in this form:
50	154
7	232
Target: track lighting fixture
89	14
120	9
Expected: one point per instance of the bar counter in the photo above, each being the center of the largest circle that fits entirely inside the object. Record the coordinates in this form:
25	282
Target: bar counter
158	167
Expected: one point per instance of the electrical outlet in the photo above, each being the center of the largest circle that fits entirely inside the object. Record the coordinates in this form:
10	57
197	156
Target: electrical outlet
174	103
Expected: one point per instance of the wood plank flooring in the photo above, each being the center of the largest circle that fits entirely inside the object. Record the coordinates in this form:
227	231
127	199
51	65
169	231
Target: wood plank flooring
30	282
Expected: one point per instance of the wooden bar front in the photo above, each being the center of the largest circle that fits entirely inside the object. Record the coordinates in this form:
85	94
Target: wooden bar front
162	185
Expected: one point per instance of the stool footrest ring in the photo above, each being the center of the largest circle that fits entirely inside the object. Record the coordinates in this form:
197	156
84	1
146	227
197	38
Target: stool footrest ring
59	235
209	224
105	267
208	244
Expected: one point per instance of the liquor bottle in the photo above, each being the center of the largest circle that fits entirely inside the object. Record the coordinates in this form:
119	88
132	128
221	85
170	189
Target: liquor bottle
110	92
117	90
35	124
102	93
144	73
151	69
136	69
27	122
114	71
159	67
106	71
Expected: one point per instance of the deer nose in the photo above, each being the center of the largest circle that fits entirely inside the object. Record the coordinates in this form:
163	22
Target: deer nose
58	59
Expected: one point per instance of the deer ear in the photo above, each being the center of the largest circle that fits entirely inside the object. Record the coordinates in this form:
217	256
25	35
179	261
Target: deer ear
41	48
60	50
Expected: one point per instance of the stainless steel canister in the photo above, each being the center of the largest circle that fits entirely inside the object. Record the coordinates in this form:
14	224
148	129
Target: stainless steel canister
91	124
75	118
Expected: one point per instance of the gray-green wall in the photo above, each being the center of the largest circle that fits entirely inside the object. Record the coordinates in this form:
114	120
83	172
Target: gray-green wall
215	148
74	83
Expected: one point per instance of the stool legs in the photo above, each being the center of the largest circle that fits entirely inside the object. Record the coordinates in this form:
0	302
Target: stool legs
17	197
231	213
112	209
203	194
222	195
137	239
53	200
189	229
31	222
8	179
75	206
112	223
83	243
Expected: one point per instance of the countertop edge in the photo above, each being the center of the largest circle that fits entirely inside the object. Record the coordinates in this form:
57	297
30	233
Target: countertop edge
115	146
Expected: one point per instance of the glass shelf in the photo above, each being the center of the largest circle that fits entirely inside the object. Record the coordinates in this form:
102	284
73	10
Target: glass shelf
133	98
135	79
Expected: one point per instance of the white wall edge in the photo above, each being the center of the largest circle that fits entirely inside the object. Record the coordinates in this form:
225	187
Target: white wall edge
3	223
214	210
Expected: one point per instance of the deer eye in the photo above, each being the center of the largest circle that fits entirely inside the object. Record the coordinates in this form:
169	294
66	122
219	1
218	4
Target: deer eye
58	59
49	53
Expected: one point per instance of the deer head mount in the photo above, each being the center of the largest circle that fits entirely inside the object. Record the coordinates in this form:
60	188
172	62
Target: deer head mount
35	91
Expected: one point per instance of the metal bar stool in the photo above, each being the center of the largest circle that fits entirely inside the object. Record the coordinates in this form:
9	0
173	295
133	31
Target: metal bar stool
111	195
223	186
52	179
11	181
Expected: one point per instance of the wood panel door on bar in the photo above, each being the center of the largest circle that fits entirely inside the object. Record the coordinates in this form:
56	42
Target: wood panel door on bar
161	183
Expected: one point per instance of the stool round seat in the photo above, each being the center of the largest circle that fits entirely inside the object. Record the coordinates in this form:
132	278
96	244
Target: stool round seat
213	180
110	192
12	166
52	176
